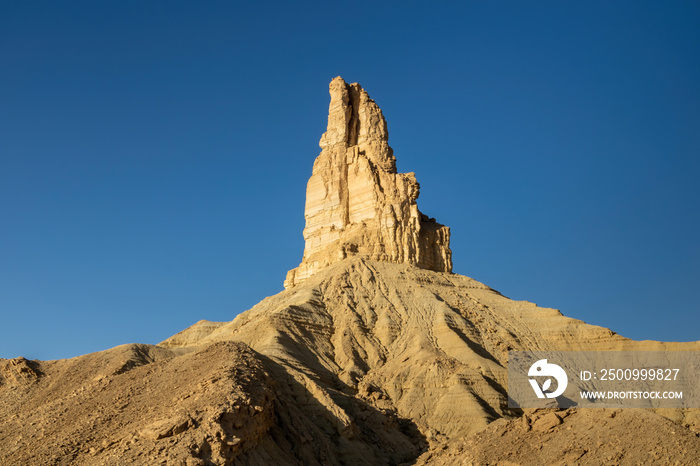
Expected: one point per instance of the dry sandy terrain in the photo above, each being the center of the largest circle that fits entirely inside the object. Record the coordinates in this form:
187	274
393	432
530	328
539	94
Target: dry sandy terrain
374	354
364	363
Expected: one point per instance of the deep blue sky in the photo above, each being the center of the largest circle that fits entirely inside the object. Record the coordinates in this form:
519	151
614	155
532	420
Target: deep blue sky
154	155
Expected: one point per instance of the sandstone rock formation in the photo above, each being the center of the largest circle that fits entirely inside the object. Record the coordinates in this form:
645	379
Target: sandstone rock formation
368	359
364	363
429	346
357	203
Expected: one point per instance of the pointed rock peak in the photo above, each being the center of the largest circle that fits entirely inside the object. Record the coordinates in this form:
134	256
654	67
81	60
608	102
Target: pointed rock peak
356	202
355	120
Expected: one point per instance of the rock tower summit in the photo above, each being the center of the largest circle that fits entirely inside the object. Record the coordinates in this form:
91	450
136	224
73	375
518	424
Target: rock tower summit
357	203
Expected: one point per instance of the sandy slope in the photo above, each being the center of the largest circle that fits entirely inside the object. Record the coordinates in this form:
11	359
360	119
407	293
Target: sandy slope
364	363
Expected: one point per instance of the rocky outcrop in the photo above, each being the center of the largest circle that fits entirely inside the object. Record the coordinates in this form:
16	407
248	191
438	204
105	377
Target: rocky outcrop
19	372
357	203
365	362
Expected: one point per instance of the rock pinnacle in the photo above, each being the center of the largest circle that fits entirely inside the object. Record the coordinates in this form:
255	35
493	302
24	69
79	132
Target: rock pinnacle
357	203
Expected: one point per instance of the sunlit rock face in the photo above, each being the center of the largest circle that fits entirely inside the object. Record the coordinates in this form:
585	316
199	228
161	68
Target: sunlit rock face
356	202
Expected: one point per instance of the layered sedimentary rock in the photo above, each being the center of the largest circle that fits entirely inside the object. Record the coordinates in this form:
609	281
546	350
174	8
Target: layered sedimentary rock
357	203
365	362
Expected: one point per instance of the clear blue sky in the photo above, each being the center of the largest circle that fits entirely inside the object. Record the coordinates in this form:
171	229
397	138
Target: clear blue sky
154	155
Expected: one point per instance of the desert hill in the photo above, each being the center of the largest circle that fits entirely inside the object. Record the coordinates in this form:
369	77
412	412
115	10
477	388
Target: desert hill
375	353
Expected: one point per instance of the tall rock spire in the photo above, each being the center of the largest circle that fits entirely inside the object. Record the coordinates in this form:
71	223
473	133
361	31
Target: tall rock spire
356	202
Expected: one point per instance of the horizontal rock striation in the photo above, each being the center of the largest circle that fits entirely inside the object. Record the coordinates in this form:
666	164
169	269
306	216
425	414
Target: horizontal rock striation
357	203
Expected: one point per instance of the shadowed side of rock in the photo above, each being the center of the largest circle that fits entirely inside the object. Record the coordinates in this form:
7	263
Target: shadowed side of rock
220	404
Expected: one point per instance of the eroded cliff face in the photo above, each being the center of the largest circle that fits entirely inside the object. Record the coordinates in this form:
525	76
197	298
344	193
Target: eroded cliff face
357	203
365	362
